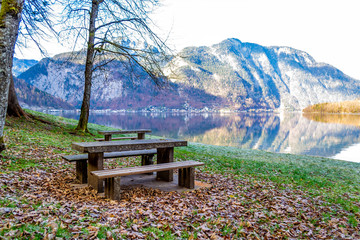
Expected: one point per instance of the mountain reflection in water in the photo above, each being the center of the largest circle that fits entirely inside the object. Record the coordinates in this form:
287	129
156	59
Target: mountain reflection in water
326	135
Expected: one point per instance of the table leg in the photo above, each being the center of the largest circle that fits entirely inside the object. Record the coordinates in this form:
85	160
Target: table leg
95	162
108	137
147	160
165	155
144	158
141	135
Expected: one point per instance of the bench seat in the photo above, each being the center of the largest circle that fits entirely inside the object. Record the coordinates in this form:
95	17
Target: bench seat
81	157
112	177
81	160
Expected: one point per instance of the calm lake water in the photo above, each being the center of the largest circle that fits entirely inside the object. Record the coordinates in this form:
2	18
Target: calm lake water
332	136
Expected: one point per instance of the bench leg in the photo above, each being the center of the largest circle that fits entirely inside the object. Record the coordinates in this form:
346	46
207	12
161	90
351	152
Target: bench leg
147	160
165	155
95	162
81	171
181	177
187	177
112	188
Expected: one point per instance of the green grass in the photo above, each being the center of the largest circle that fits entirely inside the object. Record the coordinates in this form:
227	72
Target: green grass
34	231
337	181
159	233
16	164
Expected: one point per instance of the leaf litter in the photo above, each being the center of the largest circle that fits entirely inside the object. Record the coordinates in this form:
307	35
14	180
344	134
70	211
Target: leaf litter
232	208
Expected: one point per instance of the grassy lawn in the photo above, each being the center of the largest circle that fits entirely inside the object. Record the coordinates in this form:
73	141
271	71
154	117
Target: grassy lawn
254	194
337	181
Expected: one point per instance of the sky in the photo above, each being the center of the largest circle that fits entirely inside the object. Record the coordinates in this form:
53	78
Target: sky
326	29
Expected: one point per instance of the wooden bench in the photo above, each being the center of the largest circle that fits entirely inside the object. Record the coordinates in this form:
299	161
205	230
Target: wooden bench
186	176
116	138
81	160
108	134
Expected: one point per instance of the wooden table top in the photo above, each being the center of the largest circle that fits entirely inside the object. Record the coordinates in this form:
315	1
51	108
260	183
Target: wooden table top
125	131
112	146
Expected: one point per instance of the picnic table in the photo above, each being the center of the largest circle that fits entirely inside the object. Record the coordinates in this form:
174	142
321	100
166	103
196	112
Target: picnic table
108	134
96	150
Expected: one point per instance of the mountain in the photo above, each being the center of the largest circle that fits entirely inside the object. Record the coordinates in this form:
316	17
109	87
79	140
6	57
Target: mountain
231	75
253	76
21	65
33	98
120	86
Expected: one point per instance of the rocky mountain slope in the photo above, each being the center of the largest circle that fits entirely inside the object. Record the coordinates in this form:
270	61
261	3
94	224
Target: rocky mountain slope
119	86
21	65
33	98
231	74
252	76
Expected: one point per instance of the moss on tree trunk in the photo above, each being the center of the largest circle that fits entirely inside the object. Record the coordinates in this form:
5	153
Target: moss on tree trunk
9	7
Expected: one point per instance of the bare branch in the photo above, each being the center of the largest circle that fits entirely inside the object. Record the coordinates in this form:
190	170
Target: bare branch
36	23
118	22
102	65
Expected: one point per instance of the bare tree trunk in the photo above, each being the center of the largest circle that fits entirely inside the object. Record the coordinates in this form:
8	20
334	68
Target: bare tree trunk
14	109
85	107
10	16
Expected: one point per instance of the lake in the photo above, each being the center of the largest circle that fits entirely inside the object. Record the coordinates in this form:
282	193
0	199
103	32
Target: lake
332	136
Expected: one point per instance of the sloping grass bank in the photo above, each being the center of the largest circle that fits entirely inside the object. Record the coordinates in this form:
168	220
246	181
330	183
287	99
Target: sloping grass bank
337	181
253	194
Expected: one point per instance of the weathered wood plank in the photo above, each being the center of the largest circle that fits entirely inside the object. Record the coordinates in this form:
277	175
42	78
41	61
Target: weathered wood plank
80	157
125	131
113	146
116	138
102	174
